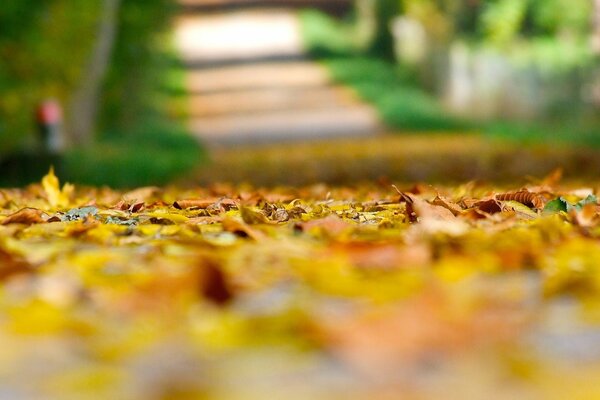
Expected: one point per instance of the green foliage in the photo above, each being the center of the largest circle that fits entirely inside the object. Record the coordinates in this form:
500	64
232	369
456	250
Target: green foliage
395	93
501	20
568	131
556	16
326	36
560	204
154	155
556	206
552	56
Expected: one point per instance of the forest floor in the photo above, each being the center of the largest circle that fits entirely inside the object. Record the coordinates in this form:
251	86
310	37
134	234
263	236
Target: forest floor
321	292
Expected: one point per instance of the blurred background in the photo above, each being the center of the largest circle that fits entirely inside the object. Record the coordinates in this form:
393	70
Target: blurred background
132	92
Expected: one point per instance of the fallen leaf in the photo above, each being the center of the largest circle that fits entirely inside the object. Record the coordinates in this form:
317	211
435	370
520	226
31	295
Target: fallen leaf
213	284
241	229
254	216
203	203
144	194
587	216
55	196
26	216
534	200
11	265
489	206
384	256
332	225
450	205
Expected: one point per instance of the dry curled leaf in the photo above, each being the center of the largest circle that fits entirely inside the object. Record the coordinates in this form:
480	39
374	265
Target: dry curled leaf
11	265
332	225
26	216
489	206
129	206
203	203
143	194
213	283
534	200
241	229
448	204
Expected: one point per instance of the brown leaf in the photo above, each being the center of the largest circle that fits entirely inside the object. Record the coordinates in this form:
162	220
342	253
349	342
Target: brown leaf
131	207
489	206
533	200
253	216
553	178
331	224
587	217
214	285
386	339
212	219
424	210
408	200
448	204
384	256
142	194
136	207
241	229
26	216
204	203
12	265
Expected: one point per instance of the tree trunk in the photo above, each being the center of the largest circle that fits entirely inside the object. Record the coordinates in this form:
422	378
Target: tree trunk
596	28
375	17
84	107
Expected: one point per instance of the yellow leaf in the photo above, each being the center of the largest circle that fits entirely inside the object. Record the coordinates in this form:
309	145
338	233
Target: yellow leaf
175	218
51	186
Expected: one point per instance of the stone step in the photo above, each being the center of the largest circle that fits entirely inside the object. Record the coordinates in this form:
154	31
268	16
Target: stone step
238	35
269	100
302	74
289	125
335	7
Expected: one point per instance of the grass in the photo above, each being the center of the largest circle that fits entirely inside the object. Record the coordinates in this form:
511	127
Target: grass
325	36
570	131
155	155
393	91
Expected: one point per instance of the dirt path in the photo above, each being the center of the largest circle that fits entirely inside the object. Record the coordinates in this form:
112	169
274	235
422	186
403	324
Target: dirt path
250	82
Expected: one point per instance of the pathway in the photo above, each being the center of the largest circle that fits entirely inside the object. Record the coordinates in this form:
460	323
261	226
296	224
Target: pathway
250	81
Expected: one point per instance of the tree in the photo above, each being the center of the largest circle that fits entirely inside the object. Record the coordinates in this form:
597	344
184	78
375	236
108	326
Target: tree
375	17
85	102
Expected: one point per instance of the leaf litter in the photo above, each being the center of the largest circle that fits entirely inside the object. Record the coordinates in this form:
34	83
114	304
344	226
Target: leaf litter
344	292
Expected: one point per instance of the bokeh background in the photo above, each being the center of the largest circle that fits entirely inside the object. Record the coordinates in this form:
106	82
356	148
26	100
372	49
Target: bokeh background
299	91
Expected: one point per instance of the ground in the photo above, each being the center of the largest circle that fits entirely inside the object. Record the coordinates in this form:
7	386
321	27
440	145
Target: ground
338	292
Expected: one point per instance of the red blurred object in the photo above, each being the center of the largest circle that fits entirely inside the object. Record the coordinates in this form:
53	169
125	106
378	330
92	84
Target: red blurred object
49	119
49	113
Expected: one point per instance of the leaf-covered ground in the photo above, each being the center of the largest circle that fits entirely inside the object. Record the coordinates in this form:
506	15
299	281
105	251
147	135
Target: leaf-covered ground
366	292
